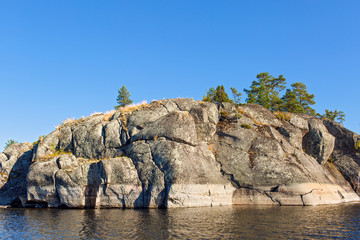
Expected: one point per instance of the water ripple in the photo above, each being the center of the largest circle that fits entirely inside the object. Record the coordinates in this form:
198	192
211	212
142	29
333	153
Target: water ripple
331	222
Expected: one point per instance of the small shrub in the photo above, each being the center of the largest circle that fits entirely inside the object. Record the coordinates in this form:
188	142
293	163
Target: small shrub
9	142
331	160
61	152
224	114
55	154
123	121
284	116
41	138
53	147
247	126
357	146
4	176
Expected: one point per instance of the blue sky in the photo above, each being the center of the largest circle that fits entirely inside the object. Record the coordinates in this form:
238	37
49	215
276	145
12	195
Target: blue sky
62	59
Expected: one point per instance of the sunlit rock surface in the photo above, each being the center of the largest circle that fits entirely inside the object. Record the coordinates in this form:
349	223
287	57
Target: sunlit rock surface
184	153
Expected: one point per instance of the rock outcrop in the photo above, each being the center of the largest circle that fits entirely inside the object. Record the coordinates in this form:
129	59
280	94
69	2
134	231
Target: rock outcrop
184	153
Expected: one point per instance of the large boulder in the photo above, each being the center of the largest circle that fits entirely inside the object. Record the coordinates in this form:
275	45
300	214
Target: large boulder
267	165
345	139
14	165
318	142
107	183
292	134
47	145
41	183
261	115
77	183
176	126
175	174
345	156
88	138
112	134
151	177
191	175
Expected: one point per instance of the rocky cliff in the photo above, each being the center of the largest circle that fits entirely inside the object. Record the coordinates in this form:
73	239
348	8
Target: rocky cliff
184	153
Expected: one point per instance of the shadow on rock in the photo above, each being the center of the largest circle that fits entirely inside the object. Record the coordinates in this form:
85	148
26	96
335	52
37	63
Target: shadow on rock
15	186
96	176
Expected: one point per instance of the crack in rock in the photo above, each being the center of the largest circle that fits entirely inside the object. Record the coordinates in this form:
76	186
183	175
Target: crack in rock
302	195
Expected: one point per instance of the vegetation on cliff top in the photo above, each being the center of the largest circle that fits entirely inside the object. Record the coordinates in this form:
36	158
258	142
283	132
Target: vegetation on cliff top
9	142
265	91
217	95
333	115
123	98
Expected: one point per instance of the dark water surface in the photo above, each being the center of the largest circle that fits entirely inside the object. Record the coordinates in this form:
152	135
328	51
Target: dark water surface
236	222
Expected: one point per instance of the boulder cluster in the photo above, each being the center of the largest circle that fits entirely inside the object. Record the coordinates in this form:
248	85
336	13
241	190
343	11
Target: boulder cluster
184	153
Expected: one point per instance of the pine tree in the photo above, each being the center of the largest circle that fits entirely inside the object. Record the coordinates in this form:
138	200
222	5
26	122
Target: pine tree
123	97
217	95
221	95
251	98
341	117
236	96
210	95
290	103
266	90
305	99
298	100
334	115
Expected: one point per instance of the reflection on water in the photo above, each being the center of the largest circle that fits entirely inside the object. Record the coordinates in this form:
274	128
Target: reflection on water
234	222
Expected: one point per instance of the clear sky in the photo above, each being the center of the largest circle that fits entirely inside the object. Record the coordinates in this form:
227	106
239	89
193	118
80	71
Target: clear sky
62	59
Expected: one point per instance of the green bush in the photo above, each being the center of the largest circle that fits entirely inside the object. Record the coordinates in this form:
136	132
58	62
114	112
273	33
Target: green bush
247	126
357	146
41	138
9	142
56	153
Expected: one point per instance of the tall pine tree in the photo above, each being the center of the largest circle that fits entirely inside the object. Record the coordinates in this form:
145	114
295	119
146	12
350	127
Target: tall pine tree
236	96
123	97
290	103
298	100
217	95
266	90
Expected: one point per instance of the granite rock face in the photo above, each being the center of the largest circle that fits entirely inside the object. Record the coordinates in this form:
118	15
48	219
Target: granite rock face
14	166
345	157
184	153
318	142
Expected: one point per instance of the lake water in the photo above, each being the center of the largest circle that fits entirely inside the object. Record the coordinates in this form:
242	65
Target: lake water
230	222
